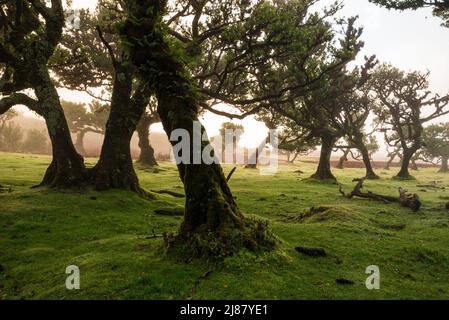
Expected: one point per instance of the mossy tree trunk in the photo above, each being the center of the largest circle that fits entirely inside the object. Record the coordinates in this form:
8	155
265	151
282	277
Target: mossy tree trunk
79	143
343	159
213	223
67	167
405	164
444	164
370	174
115	167
146	157
324	166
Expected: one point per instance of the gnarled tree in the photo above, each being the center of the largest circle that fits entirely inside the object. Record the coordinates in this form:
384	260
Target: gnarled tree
400	112
436	144
213	223
29	34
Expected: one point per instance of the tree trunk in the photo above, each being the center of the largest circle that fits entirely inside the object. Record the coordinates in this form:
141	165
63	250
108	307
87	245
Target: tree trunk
444	164
389	162
253	160
413	165
213	223
67	167
146	157
343	159
294	157
405	163
79	143
324	167
115	167
370	174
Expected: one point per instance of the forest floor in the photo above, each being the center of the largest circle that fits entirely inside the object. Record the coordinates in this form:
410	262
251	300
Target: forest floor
108	236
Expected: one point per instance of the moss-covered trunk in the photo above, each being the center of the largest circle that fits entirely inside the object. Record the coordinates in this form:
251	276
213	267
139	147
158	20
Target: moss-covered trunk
343	159
444	164
405	164
115	167
67	167
79	143
146	157
323	171
370	174
213	223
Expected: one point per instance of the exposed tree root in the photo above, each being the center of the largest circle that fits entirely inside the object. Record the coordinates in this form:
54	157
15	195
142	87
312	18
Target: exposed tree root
171	193
252	234
405	199
176	212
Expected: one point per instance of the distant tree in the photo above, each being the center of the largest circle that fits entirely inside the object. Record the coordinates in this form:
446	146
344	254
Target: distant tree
436	144
149	117
236	130
11	135
296	142
36	142
371	145
400	112
82	119
5	118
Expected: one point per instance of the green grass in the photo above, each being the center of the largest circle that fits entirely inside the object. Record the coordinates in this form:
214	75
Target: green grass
106	234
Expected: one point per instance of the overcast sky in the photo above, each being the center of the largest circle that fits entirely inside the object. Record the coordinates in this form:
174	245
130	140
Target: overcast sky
411	40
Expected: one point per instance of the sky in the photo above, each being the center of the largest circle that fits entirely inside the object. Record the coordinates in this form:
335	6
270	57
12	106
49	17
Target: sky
410	40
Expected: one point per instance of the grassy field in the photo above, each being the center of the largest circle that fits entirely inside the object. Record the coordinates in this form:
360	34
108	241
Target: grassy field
108	236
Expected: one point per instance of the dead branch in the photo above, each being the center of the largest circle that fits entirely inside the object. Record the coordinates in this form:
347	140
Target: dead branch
405	199
230	174
171	193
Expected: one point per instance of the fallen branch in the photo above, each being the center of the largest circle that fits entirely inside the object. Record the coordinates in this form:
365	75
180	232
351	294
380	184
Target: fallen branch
176	212
230	174
405	199
171	193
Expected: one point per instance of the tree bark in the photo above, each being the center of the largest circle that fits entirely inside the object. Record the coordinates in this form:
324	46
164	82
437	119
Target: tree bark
146	157
294	158
405	163
67	167
370	174
115	167
343	159
389	162
79	143
444	164
413	165
324	166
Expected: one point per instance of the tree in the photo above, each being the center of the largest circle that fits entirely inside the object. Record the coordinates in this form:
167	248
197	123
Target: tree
400	112
81	120
371	145
234	130
36	142
440	7
96	52
11	136
4	123
436	144
29	34
149	117
212	222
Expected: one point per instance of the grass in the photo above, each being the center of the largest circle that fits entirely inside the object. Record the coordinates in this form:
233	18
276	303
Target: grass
107	235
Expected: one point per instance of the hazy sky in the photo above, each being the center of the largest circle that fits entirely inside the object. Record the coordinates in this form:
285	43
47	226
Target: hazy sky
411	40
